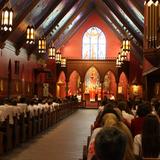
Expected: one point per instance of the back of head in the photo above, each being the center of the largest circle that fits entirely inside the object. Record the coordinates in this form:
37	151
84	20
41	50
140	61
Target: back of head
143	109
129	155
110	144
110	119
151	136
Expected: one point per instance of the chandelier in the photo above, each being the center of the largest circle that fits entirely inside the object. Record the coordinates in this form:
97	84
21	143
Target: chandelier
42	45
51	52
30	37
7	19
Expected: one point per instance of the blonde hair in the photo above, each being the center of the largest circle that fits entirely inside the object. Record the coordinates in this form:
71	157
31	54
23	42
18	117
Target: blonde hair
109	119
129	155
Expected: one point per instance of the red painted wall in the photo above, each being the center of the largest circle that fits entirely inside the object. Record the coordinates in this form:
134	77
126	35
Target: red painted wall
73	48
24	79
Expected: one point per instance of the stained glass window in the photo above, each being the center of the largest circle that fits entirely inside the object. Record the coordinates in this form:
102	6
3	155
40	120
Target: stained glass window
94	44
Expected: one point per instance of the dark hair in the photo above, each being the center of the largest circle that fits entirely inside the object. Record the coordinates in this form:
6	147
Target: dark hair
143	109
108	109
110	144
151	136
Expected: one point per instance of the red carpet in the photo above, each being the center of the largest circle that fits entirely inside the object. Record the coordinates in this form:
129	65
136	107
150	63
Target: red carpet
91	104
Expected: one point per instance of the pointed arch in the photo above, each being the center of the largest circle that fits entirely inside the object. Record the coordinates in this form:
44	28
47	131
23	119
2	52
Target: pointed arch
61	85
94	44
123	86
109	84
74	83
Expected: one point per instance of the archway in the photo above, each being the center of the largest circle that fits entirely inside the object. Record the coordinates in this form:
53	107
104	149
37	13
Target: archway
109	85
92	84
74	83
123	86
61	86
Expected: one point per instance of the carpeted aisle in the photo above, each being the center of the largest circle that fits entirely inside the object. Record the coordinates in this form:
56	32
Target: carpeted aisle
63	142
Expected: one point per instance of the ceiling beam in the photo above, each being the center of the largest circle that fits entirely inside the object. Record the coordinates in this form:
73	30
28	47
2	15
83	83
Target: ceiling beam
19	43
2	3
56	21
74	29
125	7
139	4
60	16
103	14
76	13
112	7
18	20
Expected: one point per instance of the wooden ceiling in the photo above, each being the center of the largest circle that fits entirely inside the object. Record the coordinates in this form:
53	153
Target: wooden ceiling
58	20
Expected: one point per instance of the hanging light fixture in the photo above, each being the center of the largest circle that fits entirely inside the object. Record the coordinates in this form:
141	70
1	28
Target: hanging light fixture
30	37
126	45
58	57
63	62
42	45
7	19
51	52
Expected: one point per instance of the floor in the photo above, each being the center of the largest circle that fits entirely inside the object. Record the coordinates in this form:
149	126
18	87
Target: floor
63	142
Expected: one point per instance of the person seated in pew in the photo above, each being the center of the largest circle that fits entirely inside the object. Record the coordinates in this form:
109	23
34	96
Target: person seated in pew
147	144
110	144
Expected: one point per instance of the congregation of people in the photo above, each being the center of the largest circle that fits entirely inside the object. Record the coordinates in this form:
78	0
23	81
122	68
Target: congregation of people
21	119
125	131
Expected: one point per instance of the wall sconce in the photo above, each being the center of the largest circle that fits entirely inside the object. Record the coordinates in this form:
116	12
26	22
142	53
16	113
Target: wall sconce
30	37
42	45
7	19
63	62
135	89
58	57
51	52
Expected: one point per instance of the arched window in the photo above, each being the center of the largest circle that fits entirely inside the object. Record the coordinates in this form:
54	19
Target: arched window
94	44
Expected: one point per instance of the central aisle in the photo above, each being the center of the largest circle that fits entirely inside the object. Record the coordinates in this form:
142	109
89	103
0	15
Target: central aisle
63	142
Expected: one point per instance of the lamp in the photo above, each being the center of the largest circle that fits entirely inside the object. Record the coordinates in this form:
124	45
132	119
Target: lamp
58	57
42	45
30	37
7	19
51	52
63	62
126	45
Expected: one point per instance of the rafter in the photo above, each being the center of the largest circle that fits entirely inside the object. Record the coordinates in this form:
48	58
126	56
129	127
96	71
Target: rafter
139	4
127	10
60	16
125	23
139	56
57	20
77	12
74	29
19	19
22	39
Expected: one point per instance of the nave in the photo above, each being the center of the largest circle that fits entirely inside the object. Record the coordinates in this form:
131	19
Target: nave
62	142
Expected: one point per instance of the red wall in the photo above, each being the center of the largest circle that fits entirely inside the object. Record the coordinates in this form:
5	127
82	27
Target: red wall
73	47
24	79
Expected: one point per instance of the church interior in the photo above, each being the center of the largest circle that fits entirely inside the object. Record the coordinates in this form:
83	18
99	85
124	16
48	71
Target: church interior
62	58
